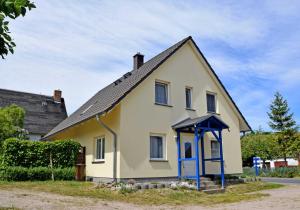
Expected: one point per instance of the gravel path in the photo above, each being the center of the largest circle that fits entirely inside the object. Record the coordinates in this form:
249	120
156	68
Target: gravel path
280	199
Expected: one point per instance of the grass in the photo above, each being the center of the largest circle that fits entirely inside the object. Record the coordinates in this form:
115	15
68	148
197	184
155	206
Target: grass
233	193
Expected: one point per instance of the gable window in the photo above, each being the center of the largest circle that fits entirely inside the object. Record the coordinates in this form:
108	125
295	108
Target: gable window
211	102
161	93
100	148
157	147
188	98
215	149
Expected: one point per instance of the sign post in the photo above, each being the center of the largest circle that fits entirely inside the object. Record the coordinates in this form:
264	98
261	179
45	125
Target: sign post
256	163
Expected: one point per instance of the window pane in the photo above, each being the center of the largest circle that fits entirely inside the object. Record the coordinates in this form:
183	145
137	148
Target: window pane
188	98
215	150
100	148
211	103
156	147
161	93
103	148
188	150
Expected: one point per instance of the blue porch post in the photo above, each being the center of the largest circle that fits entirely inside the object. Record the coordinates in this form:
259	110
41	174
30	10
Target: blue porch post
196	139
179	154
202	155
221	159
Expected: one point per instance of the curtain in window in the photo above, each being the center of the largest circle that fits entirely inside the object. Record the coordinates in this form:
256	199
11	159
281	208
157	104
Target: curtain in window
161	93
211	103
156	147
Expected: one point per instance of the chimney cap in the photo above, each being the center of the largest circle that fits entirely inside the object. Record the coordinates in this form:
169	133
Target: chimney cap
138	54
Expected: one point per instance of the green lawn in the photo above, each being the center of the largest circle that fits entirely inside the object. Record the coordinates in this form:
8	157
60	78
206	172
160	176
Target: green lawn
233	193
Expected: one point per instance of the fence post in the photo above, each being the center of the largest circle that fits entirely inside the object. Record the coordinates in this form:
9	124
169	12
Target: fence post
51	166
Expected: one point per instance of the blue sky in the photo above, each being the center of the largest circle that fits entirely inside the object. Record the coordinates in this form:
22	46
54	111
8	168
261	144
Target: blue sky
81	46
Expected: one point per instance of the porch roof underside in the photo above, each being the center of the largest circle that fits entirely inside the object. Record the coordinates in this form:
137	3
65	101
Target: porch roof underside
208	121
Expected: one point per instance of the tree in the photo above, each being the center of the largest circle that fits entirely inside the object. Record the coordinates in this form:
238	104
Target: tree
10	9
11	122
259	144
282	122
294	147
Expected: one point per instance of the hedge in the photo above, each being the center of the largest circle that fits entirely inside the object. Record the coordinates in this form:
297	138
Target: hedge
25	153
35	174
283	172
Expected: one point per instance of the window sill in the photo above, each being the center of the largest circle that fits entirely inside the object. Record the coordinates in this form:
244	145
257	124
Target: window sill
190	109
167	105
158	160
213	113
98	161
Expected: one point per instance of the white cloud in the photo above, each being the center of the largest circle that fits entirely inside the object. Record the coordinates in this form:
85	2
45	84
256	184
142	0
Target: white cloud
80	47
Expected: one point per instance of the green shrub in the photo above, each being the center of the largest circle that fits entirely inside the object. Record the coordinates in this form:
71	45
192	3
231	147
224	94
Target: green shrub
35	174
38	173
37	154
248	172
283	172
64	173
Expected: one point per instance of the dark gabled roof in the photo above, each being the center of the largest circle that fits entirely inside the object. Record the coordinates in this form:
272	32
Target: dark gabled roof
42	113
203	121
112	94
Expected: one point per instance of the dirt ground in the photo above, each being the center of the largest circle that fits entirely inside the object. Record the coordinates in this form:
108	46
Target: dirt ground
280	199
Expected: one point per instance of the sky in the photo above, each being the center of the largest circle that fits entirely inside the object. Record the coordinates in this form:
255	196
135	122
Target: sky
82	46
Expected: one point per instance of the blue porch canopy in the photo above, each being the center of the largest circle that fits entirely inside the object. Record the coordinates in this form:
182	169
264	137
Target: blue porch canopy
199	126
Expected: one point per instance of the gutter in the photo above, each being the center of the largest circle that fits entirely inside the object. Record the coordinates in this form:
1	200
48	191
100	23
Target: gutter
101	123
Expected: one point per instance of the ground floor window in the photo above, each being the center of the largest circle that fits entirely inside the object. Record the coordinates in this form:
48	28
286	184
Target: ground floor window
100	148
215	149
157	147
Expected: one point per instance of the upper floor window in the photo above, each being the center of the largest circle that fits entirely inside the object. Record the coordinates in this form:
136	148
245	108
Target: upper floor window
100	148
161	93
211	102
188	98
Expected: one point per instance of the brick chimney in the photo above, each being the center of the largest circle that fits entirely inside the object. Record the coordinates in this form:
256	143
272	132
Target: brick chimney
57	96
138	60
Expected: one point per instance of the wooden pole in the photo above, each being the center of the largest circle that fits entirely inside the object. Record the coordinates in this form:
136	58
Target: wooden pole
51	166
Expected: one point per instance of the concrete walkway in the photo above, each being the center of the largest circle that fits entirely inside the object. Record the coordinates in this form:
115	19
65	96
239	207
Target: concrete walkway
282	180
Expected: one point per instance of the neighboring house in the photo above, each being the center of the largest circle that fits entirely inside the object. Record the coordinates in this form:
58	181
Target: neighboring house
132	127
290	162
42	113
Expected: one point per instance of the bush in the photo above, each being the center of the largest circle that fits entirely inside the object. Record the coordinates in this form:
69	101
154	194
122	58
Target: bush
64	173
283	172
26	153
35	174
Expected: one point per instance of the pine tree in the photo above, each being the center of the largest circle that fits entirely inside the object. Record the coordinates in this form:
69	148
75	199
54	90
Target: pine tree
281	121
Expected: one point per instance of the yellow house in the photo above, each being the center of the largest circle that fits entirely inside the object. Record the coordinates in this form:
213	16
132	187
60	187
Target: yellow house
169	117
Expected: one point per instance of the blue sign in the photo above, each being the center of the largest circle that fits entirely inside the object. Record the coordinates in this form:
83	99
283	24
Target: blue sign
256	163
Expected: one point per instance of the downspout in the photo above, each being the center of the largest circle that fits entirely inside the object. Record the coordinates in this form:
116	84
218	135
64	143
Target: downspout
115	146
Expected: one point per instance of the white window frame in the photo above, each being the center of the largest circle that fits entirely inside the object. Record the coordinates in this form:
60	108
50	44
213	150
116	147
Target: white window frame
164	158
167	84
216	101
191	97
102	139
212	153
